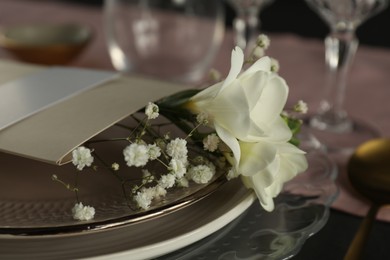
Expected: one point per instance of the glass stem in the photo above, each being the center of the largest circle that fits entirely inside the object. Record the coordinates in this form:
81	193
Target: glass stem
340	49
245	25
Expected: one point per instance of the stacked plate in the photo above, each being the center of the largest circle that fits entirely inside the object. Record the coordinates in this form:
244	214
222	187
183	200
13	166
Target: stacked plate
35	221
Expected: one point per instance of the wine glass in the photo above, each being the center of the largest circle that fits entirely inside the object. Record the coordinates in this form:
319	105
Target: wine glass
332	125
246	24
174	40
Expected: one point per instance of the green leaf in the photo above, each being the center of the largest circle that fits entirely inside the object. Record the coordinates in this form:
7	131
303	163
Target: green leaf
295	126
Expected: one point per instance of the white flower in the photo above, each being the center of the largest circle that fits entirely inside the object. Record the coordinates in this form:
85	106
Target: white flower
177	148
183	182
115	166
151	111
265	167
159	191
301	107
245	107
154	151
232	174
81	212
274	65
144	198
178	168
146	174
167	181
201	174
202	118
210	142
258	52
245	111
136	155
81	157
263	41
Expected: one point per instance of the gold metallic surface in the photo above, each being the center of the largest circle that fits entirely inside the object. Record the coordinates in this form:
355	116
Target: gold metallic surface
369	173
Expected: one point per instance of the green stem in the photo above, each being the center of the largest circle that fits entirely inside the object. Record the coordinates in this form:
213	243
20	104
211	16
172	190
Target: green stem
122	181
76	189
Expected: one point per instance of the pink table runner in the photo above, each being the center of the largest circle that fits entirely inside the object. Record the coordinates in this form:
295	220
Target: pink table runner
302	65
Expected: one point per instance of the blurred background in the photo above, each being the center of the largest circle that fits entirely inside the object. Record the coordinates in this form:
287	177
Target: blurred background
295	16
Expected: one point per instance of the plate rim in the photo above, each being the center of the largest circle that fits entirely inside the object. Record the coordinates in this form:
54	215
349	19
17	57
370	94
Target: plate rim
86	227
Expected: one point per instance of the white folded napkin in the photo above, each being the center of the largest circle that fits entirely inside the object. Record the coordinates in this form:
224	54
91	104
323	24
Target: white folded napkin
50	133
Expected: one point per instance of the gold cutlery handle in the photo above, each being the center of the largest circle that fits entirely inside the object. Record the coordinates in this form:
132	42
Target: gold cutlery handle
356	247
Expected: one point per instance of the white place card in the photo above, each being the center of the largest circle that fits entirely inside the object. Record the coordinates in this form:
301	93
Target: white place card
51	134
25	96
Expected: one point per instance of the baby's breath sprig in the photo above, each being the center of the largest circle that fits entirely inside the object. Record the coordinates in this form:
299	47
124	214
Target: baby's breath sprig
209	130
258	51
68	186
80	212
146	144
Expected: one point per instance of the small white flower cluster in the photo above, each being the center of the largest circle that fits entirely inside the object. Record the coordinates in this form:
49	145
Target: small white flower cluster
262	44
263	41
211	142
202	118
275	65
177	149
201	174
139	154
301	107
180	170
145	196
82	157
152	111
81	212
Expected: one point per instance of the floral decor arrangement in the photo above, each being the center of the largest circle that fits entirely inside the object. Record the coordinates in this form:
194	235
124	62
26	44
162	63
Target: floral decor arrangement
239	122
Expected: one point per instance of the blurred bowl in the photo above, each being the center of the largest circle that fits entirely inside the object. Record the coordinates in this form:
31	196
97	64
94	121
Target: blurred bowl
45	44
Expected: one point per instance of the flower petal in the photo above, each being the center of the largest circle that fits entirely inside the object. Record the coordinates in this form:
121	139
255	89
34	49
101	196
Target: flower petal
278	131
257	157
208	93
272	101
237	60
253	86
292	162
230	141
254	182
231	110
262	64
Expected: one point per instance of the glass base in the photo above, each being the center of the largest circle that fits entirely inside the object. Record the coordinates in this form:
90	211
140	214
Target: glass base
340	137
301	210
